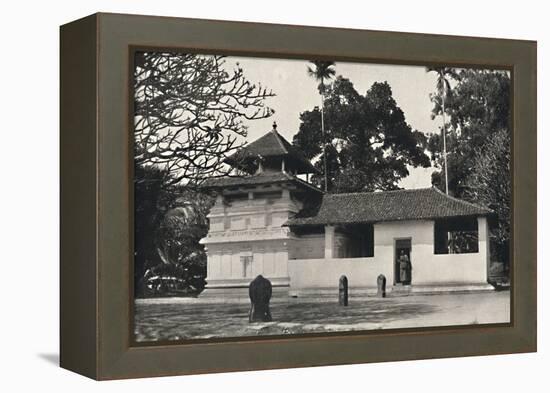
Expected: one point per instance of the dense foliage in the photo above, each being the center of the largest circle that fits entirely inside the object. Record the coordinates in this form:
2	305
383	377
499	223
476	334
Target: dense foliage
477	107
490	185
368	141
169	221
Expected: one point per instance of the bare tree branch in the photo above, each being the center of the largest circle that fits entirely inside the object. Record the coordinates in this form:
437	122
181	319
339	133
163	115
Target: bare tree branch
190	112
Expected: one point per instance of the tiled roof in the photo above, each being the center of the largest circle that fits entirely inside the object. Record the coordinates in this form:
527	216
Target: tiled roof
262	178
370	207
272	144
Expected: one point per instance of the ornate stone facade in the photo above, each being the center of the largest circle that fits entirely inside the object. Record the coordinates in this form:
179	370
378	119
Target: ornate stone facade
247	238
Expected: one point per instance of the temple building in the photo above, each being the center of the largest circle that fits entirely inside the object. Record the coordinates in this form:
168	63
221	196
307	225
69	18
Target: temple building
269	220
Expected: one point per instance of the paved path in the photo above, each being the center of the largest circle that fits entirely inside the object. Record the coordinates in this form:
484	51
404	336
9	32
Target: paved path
179	318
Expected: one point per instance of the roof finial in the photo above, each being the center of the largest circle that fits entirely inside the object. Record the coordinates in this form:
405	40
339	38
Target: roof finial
274	126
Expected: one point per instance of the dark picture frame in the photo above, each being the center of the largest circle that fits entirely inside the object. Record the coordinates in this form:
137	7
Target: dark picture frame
96	293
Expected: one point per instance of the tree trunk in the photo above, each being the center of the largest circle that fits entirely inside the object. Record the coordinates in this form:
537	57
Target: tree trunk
444	142
323	135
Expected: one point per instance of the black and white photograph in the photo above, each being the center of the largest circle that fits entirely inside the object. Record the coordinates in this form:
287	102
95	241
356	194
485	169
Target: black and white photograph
265	197
280	197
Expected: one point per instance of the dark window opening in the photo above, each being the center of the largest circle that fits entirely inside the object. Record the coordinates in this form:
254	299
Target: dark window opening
456	236
236	198
308	230
355	241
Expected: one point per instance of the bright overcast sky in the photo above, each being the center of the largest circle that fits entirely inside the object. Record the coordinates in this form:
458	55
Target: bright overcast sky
296	92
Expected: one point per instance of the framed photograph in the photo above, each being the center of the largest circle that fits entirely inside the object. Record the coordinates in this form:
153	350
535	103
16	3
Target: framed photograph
241	196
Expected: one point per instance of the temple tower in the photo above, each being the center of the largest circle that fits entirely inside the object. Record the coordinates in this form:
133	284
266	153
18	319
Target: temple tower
247	236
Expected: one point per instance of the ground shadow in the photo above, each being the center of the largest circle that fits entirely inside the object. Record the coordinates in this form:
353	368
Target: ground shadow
52	358
174	322
201	320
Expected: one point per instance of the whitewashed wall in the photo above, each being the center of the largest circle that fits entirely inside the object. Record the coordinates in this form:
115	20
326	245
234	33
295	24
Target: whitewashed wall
428	268
308	247
325	273
269	259
249	227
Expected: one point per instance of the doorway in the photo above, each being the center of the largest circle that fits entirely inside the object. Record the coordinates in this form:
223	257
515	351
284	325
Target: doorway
402	247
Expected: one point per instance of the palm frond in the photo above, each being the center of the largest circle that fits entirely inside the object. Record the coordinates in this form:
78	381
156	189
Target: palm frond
323	69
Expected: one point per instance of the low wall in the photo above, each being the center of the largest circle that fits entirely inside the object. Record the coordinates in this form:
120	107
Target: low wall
450	269
428	270
321	273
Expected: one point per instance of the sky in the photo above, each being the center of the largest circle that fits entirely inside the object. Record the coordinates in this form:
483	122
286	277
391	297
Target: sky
297	92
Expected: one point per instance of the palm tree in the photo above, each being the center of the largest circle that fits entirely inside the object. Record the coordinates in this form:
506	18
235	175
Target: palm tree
323	70
442	87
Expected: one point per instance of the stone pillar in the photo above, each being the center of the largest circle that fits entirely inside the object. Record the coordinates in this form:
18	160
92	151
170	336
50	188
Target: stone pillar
343	291
484	243
381	285
329	242
259	291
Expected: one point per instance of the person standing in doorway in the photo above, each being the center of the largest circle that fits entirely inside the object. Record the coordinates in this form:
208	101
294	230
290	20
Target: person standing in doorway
404	268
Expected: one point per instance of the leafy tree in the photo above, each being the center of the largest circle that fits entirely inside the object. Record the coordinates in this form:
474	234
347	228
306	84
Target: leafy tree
323	70
149	195
190	112
490	185
369	143
169	220
477	107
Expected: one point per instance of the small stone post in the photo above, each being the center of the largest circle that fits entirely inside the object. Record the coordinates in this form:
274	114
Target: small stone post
259	291
381	281
343	291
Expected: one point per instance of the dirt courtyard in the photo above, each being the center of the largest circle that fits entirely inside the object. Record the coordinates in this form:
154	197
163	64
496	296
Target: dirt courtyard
185	318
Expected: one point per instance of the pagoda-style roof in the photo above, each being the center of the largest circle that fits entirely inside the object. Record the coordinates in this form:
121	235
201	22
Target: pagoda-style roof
271	149
399	205
264	178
